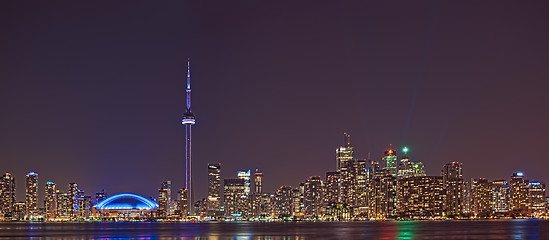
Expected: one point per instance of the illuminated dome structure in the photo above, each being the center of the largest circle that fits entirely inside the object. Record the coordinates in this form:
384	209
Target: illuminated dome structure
125	206
126	201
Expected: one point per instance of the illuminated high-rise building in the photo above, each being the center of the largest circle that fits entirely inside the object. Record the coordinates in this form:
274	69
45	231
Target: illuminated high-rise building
405	168
7	195
31	194
245	175
65	204
452	170
421	197
73	195
258	181
188	120
345	152
536	199
163	202
283	201
100	196
168	186
382	197
183	201
500	196
313	197
50	201
482	195
214	189
390	159
518	192
419	169
235	197
331	195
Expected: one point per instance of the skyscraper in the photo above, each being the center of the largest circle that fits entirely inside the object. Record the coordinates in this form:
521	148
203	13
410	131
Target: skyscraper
7	195
168	186
99	196
482	195
50	201
452	177
245	174
518	191
421	197
390	159
235	197
313	196
163	202
258	181
452	170
345	152
214	188
536	199
73	195
183	201
188	120
31	196
500	196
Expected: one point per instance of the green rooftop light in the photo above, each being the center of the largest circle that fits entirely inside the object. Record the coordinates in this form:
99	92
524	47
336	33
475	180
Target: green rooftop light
405	150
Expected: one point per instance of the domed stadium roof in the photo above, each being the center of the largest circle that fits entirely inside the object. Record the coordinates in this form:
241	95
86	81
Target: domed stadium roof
126	201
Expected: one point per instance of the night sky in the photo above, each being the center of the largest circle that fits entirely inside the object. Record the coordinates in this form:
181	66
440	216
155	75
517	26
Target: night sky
93	92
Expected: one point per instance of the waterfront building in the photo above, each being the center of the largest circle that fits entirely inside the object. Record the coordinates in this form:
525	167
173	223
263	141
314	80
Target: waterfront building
65	205
183	201
382	197
536	199
163	202
245	175
452	170
313	197
19	211
419	169
261	205
518	191
421	197
31	195
454	204
297	205
353	182
500	196
7	195
482	191
235	198
125	206
331	196
85	207
214	189
258	181
405	168
283	202
50	201
73	202
168	186
188	120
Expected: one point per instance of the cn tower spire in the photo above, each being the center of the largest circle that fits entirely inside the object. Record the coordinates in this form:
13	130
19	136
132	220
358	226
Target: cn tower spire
188	120
188	84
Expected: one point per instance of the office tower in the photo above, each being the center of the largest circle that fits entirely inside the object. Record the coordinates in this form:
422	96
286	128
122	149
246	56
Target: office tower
31	195
7	195
168	186
382	197
245	174
84	207
65	204
283	202
344	153
353	180
419	169
536	199
50	201
454	205
183	202
518	191
297	208
390	159
261	205
163	202
188	120
405	168
452	178
452	170
214	188
73	194
235	197
482	195
258	181
100	196
19	211
332	188
421	197
313	197
500	196
468	198
201	207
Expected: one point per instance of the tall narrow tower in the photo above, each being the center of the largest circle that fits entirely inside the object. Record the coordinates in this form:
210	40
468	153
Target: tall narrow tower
188	120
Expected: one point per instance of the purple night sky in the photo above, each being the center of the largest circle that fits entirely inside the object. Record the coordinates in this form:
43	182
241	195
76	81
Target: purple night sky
94	92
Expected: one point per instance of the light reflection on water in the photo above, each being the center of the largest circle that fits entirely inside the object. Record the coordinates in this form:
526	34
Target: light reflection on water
404	230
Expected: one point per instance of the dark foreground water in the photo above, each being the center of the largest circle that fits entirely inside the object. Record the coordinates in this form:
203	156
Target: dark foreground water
512	229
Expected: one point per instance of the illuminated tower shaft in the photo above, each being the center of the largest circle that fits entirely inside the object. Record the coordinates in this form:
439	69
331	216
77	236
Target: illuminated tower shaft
188	120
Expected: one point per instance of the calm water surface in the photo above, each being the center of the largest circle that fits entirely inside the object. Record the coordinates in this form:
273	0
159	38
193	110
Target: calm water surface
512	229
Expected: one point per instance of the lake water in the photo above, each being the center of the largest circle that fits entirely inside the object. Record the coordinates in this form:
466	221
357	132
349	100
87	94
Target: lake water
510	229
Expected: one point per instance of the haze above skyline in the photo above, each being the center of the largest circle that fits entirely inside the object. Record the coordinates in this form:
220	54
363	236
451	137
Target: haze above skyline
93	93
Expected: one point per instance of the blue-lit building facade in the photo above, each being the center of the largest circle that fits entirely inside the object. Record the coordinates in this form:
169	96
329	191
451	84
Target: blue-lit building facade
125	206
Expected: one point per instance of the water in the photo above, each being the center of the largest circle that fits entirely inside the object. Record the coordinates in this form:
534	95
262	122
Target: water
512	229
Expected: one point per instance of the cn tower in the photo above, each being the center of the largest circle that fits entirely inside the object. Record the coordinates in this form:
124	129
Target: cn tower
188	120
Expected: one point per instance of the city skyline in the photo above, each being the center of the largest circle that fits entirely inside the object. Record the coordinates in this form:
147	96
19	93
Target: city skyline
107	109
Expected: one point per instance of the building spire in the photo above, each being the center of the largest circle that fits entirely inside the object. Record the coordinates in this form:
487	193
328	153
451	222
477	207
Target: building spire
188	84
